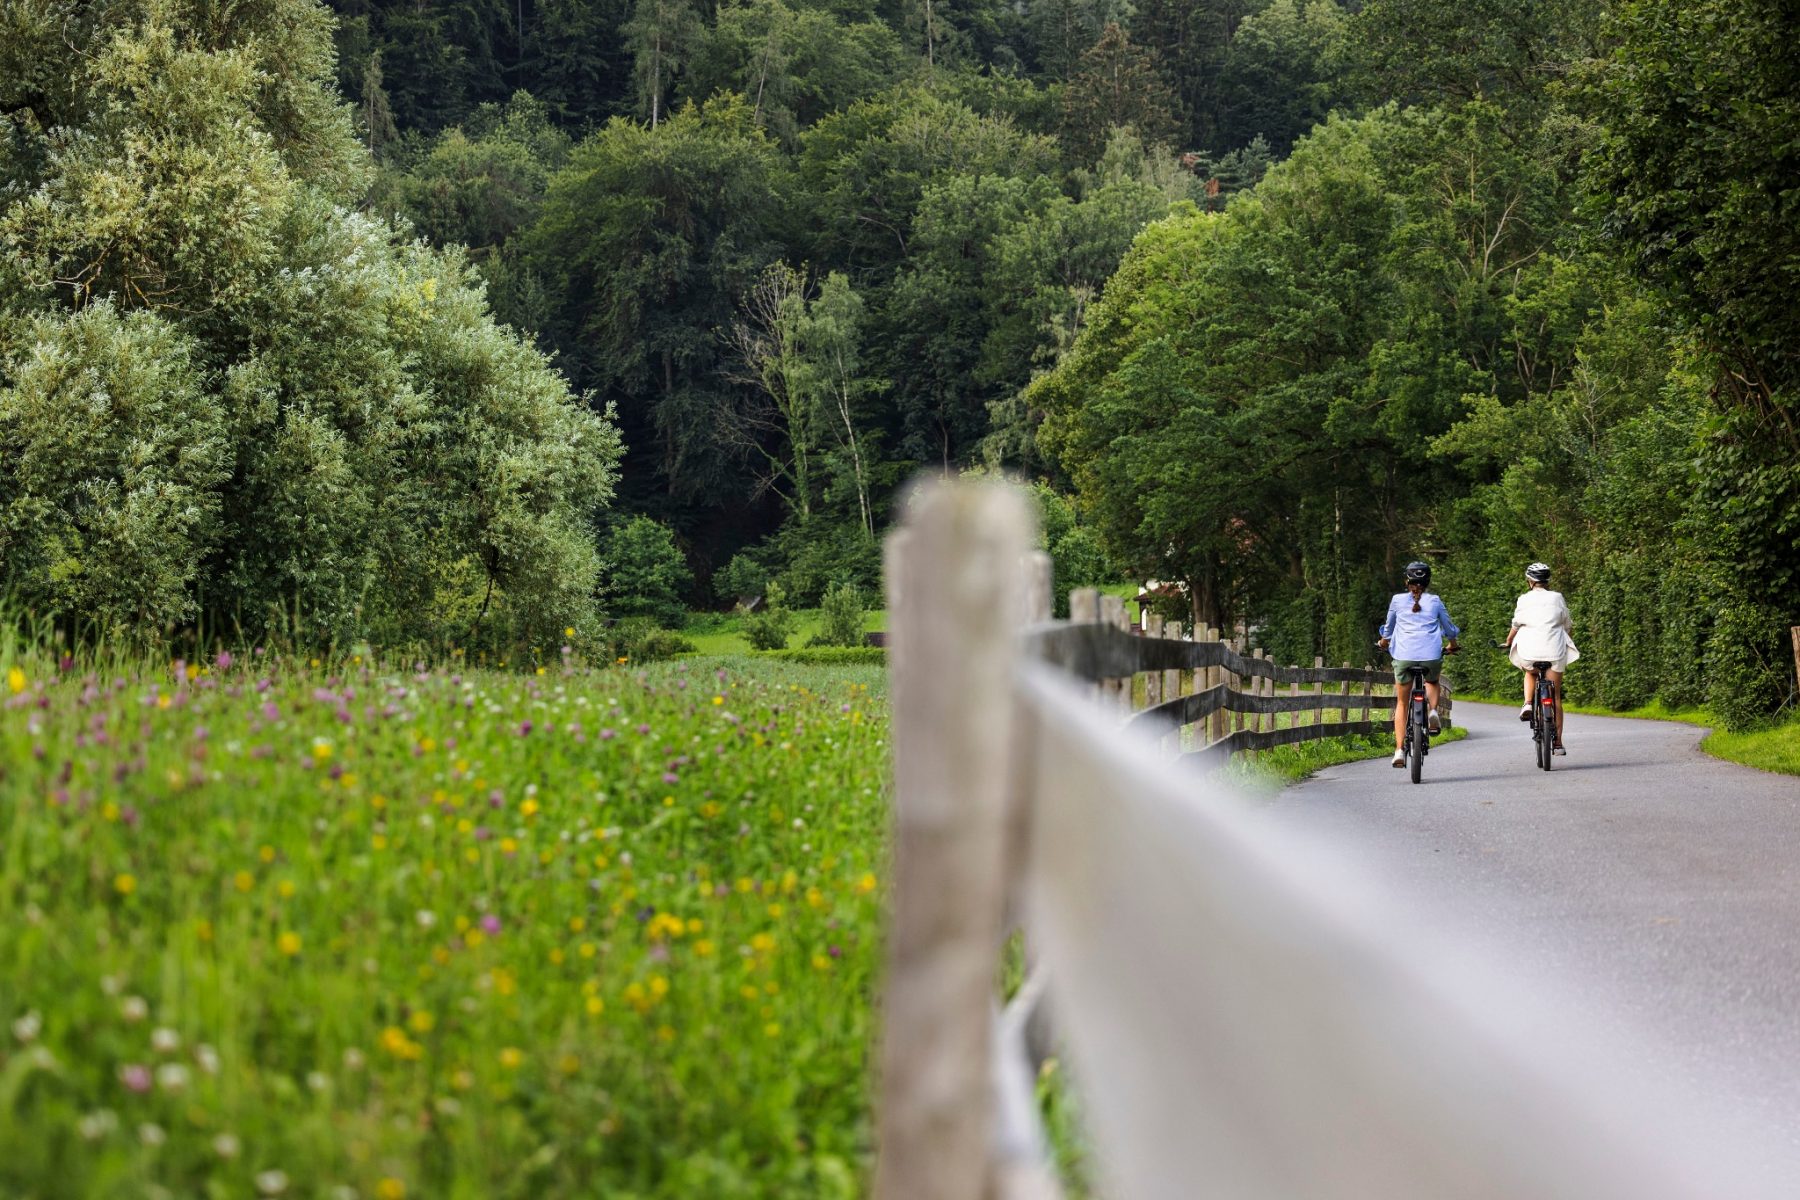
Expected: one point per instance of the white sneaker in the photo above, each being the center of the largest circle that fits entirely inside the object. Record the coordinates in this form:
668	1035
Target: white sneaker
1431	724
1399	759
1525	712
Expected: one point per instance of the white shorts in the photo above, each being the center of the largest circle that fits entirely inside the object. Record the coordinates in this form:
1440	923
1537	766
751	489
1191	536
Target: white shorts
1559	665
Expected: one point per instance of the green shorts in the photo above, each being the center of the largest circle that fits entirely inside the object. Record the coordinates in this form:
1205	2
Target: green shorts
1432	667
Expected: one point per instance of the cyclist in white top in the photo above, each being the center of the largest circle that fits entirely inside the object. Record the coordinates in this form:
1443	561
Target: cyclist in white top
1541	633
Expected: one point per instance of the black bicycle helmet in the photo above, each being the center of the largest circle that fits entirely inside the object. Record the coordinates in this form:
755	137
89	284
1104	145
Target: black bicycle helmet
1419	573
1538	572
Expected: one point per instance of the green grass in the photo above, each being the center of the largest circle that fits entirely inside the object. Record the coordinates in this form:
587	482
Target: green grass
1773	748
723	633
352	930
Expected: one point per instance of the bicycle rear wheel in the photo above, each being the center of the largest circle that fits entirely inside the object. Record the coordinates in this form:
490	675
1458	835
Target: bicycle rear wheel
1546	733
1418	737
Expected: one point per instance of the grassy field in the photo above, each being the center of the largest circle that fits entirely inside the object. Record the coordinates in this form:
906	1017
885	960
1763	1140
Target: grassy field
723	633
357	930
1774	747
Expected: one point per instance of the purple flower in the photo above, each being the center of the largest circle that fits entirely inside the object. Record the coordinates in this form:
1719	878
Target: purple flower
644	729
607	735
483	833
671	777
524	728
223	662
135	1076
490	923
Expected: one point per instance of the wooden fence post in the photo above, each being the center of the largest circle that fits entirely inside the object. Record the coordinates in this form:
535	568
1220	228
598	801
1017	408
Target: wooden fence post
1259	722
1215	676
1171	680
1040	588
954	580
1319	691
1236	684
1153	689
1112	612
1369	695
1084	609
1794	632
1344	692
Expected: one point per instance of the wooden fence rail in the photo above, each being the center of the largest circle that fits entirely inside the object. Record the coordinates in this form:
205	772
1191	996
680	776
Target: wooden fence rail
1101	652
1242	1018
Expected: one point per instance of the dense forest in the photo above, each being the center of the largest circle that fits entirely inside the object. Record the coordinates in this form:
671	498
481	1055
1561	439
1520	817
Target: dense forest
456	320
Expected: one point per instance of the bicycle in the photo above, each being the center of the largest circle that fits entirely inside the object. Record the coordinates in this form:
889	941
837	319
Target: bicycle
1416	744
1543	713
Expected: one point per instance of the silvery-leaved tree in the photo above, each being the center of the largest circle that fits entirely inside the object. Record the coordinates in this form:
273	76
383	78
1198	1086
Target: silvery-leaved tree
228	399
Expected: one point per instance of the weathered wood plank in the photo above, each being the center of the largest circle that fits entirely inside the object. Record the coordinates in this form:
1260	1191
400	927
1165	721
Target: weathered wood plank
1095	651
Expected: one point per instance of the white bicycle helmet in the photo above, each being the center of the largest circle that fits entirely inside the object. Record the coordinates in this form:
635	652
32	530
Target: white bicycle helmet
1538	572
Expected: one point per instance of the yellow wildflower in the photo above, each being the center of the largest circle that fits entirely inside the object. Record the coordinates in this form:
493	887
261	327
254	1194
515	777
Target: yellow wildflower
125	884
15	681
288	943
390	1189
512	1058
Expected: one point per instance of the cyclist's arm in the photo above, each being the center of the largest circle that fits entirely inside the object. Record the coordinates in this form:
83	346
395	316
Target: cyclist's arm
1446	625
1387	626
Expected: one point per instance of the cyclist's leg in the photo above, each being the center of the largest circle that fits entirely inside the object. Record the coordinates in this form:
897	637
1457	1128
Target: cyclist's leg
1530	688
1402	697
1556	684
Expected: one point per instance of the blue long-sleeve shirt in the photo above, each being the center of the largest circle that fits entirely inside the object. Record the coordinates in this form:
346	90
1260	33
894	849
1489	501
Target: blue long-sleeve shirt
1417	636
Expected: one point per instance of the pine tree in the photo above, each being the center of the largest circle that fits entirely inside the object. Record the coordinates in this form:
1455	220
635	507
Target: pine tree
660	34
372	110
1119	84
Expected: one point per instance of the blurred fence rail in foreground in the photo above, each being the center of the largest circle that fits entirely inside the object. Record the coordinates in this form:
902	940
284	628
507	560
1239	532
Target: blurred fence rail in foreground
1241	1018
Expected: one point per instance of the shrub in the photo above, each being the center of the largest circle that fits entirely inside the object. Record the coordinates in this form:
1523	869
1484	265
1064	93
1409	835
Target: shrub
1747	676
843	617
645	572
770	627
745	575
641	640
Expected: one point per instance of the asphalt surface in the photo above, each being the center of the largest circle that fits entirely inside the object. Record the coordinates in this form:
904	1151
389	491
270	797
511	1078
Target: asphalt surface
1653	887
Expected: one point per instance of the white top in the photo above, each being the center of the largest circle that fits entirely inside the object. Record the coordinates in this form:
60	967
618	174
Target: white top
1542	617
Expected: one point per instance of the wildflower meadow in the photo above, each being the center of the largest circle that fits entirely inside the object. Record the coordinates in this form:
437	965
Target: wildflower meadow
277	926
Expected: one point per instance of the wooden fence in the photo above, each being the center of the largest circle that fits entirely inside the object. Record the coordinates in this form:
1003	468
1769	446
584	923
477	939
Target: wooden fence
1242	1018
1220	696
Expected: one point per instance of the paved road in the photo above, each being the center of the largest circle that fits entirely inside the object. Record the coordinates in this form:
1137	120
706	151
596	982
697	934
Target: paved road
1657	887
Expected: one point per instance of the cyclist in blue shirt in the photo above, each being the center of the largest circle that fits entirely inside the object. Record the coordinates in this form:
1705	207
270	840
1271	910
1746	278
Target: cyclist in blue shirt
1418	632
